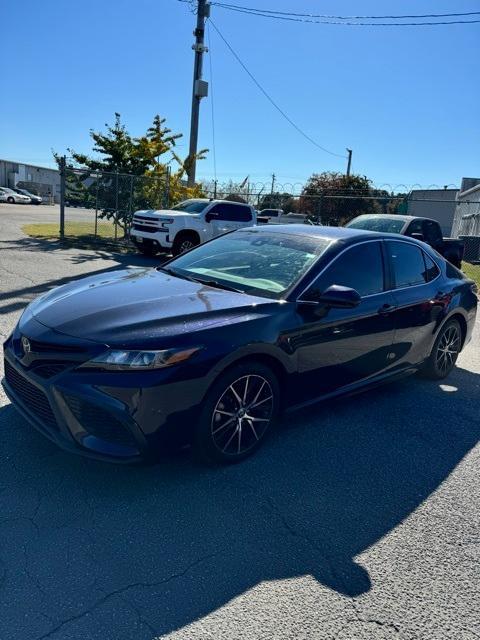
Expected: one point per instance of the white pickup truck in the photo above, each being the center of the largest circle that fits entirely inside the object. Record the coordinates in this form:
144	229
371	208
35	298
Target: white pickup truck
187	224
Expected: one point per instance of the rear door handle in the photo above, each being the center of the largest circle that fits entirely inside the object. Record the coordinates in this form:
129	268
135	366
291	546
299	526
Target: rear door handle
386	309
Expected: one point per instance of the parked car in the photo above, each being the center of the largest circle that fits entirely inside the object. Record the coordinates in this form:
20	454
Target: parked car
272	214
424	229
13	197
34	199
211	346
3	196
188	224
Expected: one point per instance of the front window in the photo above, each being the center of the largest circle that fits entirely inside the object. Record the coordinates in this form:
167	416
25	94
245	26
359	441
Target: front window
360	268
191	206
251	261
377	223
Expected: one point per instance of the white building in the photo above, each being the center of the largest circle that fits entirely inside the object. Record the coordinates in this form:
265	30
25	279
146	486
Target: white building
436	204
42	181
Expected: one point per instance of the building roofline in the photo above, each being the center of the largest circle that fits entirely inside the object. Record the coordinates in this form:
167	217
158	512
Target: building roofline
29	164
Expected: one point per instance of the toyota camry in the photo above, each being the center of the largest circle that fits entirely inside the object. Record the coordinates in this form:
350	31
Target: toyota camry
209	348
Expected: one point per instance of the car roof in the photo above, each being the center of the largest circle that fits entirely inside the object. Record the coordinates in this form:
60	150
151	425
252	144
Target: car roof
392	216
328	233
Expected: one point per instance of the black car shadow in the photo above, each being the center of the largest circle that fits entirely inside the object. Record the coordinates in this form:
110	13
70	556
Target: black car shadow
167	545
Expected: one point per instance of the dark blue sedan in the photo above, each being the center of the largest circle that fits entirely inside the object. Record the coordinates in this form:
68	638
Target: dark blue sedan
210	347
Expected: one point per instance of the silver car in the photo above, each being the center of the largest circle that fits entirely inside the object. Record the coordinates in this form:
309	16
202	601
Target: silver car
14	198
34	199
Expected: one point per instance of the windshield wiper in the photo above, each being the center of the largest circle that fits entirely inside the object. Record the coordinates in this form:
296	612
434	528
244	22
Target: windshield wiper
208	283
218	285
177	274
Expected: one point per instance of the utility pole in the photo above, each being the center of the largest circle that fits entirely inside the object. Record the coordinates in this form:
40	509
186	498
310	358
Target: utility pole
349	165
200	87
273	184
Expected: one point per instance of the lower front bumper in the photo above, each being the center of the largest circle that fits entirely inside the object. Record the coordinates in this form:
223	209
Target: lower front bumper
73	421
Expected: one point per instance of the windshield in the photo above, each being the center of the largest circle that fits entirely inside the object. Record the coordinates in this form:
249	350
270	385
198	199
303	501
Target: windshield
191	206
377	223
252	261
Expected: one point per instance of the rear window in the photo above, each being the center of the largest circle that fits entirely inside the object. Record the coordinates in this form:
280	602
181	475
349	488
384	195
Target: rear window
377	223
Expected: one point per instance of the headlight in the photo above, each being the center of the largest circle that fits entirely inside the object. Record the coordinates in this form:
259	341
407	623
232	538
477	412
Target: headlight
166	221
139	360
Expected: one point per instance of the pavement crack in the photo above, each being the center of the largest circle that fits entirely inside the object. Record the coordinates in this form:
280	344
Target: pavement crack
123	590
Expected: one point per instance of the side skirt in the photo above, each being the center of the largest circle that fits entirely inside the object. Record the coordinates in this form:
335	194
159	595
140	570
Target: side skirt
357	387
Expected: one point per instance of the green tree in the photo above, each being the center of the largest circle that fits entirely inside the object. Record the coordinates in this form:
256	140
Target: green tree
134	173
335	198
275	200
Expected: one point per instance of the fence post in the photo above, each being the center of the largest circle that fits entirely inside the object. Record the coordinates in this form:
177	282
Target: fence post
63	162
131	195
116	205
167	194
96	207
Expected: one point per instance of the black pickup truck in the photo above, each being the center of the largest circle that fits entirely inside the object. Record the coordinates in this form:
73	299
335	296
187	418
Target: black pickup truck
424	229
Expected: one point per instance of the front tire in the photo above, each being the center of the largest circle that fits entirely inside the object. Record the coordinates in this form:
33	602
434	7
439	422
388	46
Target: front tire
444	352
183	243
239	412
147	250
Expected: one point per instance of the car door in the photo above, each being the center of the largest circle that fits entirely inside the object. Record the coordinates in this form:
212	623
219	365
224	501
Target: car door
228	216
339	347
418	301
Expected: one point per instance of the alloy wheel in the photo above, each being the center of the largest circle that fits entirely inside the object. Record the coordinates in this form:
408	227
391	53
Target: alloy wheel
186	245
242	415
448	349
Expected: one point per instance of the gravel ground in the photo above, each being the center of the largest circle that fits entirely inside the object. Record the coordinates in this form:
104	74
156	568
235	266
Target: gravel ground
360	519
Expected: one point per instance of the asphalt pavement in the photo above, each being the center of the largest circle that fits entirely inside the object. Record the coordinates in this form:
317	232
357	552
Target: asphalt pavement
359	519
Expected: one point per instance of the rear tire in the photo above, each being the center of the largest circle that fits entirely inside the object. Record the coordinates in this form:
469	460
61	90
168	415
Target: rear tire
11	200
184	242
239	411
445	351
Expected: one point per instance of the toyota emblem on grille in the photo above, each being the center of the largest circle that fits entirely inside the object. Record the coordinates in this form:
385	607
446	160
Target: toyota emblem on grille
26	345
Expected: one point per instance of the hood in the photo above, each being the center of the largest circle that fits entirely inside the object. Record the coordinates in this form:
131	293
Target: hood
165	213
125	306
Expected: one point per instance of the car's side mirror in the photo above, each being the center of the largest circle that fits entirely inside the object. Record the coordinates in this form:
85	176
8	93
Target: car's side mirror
335	297
418	236
210	216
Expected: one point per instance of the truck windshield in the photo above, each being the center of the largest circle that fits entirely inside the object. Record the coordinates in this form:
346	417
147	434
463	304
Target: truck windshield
191	206
377	223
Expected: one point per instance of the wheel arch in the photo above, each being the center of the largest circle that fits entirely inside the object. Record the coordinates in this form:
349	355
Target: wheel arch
278	368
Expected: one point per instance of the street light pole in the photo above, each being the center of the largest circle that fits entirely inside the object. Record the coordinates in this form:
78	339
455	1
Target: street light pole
200	87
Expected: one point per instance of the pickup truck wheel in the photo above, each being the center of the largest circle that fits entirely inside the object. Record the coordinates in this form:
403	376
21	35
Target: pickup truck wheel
147	249
184	242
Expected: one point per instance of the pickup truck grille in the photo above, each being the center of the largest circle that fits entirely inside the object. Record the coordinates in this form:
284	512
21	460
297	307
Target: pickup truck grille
144	227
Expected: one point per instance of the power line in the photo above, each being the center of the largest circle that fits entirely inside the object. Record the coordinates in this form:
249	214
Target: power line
314	15
340	21
270	99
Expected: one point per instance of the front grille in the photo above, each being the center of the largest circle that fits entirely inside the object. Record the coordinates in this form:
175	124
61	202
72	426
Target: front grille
145	228
99	422
50	347
34	399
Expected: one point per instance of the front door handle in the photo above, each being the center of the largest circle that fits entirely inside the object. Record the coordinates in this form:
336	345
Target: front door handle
386	309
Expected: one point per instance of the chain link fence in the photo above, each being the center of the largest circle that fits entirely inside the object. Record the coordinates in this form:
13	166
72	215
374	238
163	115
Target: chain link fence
100	205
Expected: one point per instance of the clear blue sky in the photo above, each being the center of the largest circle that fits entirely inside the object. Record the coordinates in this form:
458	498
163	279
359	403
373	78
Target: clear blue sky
406	100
